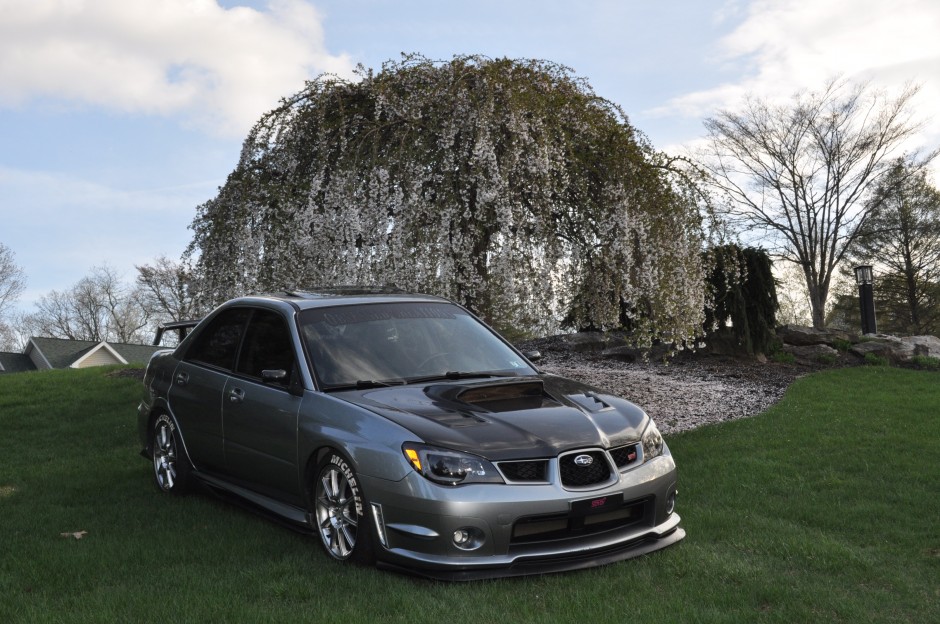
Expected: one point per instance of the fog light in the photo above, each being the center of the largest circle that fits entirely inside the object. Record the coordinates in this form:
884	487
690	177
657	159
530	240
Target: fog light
671	502
468	538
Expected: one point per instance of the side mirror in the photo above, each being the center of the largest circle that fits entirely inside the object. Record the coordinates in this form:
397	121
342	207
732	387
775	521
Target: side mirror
275	375
533	356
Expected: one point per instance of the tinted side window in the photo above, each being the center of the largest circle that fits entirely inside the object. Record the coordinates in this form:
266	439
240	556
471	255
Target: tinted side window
267	346
217	344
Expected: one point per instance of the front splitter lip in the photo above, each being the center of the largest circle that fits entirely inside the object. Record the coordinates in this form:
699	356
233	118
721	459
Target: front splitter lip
547	562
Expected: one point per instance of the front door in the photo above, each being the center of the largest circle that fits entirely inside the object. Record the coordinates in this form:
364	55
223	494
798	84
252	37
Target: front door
260	417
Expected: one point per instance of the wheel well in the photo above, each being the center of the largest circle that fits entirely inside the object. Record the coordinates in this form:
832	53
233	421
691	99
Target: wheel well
150	420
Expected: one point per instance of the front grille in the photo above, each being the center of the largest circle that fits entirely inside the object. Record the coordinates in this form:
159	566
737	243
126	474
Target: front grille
625	455
535	470
574	475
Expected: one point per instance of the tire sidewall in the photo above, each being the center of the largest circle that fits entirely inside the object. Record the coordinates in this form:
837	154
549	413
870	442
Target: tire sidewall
182	468
363	548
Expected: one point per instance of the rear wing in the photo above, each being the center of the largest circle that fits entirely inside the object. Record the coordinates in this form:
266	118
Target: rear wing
181	327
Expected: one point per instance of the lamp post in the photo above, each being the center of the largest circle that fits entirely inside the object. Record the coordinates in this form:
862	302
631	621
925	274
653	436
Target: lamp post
864	277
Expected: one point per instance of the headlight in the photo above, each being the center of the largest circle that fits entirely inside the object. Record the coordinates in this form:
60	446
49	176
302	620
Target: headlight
652	442
450	467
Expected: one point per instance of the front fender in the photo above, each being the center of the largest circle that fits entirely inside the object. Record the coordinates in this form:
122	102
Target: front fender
373	443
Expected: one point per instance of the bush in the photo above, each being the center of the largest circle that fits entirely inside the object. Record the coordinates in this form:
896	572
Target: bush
841	345
743	295
875	360
925	362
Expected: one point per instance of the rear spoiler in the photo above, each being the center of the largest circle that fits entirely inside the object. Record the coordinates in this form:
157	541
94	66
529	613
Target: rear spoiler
178	326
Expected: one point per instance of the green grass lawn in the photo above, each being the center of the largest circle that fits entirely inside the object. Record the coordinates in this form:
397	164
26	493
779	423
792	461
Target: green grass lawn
824	509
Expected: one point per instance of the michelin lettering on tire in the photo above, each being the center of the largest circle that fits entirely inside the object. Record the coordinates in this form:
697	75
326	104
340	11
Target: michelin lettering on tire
166	419
340	463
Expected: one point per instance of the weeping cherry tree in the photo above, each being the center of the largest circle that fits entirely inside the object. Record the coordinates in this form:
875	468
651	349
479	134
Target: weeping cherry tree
508	186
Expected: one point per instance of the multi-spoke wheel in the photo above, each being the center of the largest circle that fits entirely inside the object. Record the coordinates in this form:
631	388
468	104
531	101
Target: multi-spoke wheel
170	471
340	510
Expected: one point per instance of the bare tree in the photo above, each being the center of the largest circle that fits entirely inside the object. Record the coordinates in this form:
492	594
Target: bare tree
801	173
12	279
12	283
98	307
168	290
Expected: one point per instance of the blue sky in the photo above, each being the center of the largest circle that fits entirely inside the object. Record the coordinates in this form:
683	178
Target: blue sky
119	117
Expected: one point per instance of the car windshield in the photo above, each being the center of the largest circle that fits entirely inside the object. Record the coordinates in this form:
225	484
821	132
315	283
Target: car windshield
389	343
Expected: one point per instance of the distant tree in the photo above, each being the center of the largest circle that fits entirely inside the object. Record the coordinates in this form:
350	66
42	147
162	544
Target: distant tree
12	284
168	290
509	186
12	279
98	307
801	173
743	296
901	238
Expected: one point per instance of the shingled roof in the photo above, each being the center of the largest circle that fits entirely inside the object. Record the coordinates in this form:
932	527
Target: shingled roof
15	363
46	353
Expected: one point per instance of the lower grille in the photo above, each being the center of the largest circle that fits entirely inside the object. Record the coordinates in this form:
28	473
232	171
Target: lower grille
574	525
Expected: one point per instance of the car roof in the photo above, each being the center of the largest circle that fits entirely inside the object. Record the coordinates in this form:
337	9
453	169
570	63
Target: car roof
342	295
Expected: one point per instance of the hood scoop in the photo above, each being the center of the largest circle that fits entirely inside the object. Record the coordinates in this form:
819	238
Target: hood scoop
501	396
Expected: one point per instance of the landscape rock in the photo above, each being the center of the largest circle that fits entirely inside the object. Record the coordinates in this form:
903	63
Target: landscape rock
925	345
624	354
810	354
586	342
891	348
806	336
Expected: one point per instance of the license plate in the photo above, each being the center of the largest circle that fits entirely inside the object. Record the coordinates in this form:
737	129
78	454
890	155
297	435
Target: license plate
599	504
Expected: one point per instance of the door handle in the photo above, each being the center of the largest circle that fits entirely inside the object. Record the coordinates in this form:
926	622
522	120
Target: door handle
182	379
236	395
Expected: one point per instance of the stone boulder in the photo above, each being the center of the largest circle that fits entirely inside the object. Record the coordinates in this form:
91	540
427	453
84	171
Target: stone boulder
800	336
896	349
812	354
883	348
582	342
925	345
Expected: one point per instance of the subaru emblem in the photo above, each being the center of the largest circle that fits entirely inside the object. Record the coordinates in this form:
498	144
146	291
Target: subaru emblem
583	460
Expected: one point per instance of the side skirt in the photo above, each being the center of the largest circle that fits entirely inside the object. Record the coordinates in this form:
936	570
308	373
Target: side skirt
294	517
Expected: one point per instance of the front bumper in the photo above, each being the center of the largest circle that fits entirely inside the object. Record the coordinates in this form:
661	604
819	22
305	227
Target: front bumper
523	529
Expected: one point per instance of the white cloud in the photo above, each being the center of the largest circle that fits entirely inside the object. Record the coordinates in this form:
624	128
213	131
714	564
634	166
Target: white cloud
782	46
216	67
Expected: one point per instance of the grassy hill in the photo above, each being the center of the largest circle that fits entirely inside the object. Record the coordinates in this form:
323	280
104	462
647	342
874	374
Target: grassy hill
825	508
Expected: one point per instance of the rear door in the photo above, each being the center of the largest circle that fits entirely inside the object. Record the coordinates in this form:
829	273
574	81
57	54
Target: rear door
198	384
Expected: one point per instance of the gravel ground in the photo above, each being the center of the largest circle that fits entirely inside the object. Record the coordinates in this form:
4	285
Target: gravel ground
686	393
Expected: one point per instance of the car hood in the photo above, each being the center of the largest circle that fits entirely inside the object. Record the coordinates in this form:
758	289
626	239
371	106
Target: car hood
507	418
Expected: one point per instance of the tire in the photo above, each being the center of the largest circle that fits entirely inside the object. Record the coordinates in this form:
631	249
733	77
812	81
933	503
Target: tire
170	468
340	511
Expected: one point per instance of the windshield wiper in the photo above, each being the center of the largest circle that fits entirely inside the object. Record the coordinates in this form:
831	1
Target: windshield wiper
454	375
363	384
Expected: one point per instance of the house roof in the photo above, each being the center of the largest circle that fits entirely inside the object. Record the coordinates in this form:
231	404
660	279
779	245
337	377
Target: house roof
134	353
62	353
59	352
15	363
